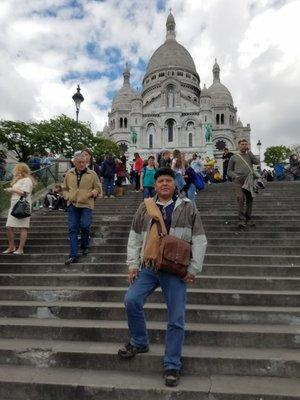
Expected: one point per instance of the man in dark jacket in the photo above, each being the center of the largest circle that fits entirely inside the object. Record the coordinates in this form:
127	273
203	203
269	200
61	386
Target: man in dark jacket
108	170
226	157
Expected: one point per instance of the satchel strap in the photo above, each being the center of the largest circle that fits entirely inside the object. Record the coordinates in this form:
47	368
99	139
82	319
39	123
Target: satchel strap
251	170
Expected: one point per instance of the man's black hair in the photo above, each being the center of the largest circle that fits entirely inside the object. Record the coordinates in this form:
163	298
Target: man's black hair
164	171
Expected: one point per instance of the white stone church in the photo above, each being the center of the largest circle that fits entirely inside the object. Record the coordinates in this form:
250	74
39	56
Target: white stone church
172	110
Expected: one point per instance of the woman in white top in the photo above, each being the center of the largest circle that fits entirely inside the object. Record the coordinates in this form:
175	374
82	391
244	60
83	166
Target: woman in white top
22	185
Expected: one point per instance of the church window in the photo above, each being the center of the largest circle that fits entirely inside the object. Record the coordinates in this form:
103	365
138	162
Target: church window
147	81
161	74
195	99
153	77
190	139
222	119
121	122
125	122
188	75
150	141
173	73
205	118
179	73
170	126
217	119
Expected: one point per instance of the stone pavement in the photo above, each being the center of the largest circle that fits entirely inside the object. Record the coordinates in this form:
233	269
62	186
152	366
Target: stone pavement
60	327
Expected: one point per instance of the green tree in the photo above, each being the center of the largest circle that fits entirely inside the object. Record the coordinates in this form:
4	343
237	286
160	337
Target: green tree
102	146
276	154
21	137
64	135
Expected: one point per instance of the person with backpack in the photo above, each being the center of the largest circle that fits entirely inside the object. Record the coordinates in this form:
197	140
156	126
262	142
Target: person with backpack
108	170
147	178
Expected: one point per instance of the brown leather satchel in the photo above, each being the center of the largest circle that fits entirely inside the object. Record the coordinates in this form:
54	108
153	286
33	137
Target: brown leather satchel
174	255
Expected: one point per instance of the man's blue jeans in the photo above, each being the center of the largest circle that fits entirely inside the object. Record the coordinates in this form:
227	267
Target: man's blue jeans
108	184
174	291
79	219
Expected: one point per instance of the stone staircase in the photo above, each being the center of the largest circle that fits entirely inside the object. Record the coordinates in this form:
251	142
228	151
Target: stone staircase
60	327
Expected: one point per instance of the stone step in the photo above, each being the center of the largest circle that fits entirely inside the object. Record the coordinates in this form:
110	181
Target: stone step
198	313
115	267
98	240
225	258
288	298
100	279
238	335
119	248
30	383
104	232
204	360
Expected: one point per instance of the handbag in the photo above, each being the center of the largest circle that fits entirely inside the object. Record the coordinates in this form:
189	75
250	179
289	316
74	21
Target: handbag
21	209
174	255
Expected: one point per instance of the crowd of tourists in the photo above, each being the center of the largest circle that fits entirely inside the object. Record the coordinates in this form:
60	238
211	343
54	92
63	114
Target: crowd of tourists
167	243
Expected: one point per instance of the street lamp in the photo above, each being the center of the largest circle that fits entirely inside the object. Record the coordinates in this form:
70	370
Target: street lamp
258	145
78	99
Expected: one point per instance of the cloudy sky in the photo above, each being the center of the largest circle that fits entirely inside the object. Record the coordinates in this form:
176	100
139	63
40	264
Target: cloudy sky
47	47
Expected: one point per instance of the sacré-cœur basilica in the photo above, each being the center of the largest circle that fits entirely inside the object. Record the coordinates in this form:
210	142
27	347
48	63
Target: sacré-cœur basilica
172	111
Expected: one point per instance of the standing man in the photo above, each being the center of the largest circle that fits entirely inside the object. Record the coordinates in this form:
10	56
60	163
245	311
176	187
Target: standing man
226	157
182	220
80	188
240	167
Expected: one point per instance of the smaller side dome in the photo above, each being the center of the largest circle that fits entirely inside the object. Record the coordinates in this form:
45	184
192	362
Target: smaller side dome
219	93
239	124
205	92
122	100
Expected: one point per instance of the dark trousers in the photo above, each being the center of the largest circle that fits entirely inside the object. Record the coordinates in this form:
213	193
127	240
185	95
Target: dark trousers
243	196
137	180
79	219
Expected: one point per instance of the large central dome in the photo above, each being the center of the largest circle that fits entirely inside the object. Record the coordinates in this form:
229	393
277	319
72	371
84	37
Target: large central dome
171	53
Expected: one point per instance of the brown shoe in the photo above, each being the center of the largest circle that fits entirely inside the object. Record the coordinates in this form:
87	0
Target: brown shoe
172	377
129	351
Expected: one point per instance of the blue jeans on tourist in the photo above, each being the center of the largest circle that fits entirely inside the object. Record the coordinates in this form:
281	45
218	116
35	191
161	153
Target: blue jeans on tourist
108	186
148	192
79	219
191	193
174	291
179	180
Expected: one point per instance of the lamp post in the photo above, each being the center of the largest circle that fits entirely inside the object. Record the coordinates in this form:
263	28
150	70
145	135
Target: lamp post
258	145
78	99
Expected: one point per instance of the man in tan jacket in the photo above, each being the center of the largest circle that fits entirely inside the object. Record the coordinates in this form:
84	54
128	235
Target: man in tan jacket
80	188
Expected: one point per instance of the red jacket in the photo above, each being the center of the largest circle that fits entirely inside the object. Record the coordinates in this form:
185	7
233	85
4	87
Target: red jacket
138	165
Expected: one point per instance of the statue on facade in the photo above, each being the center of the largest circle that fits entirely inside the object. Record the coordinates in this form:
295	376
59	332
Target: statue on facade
133	135
208	133
171	99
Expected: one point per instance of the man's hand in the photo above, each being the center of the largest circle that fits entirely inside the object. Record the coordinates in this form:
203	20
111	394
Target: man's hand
132	274
189	278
